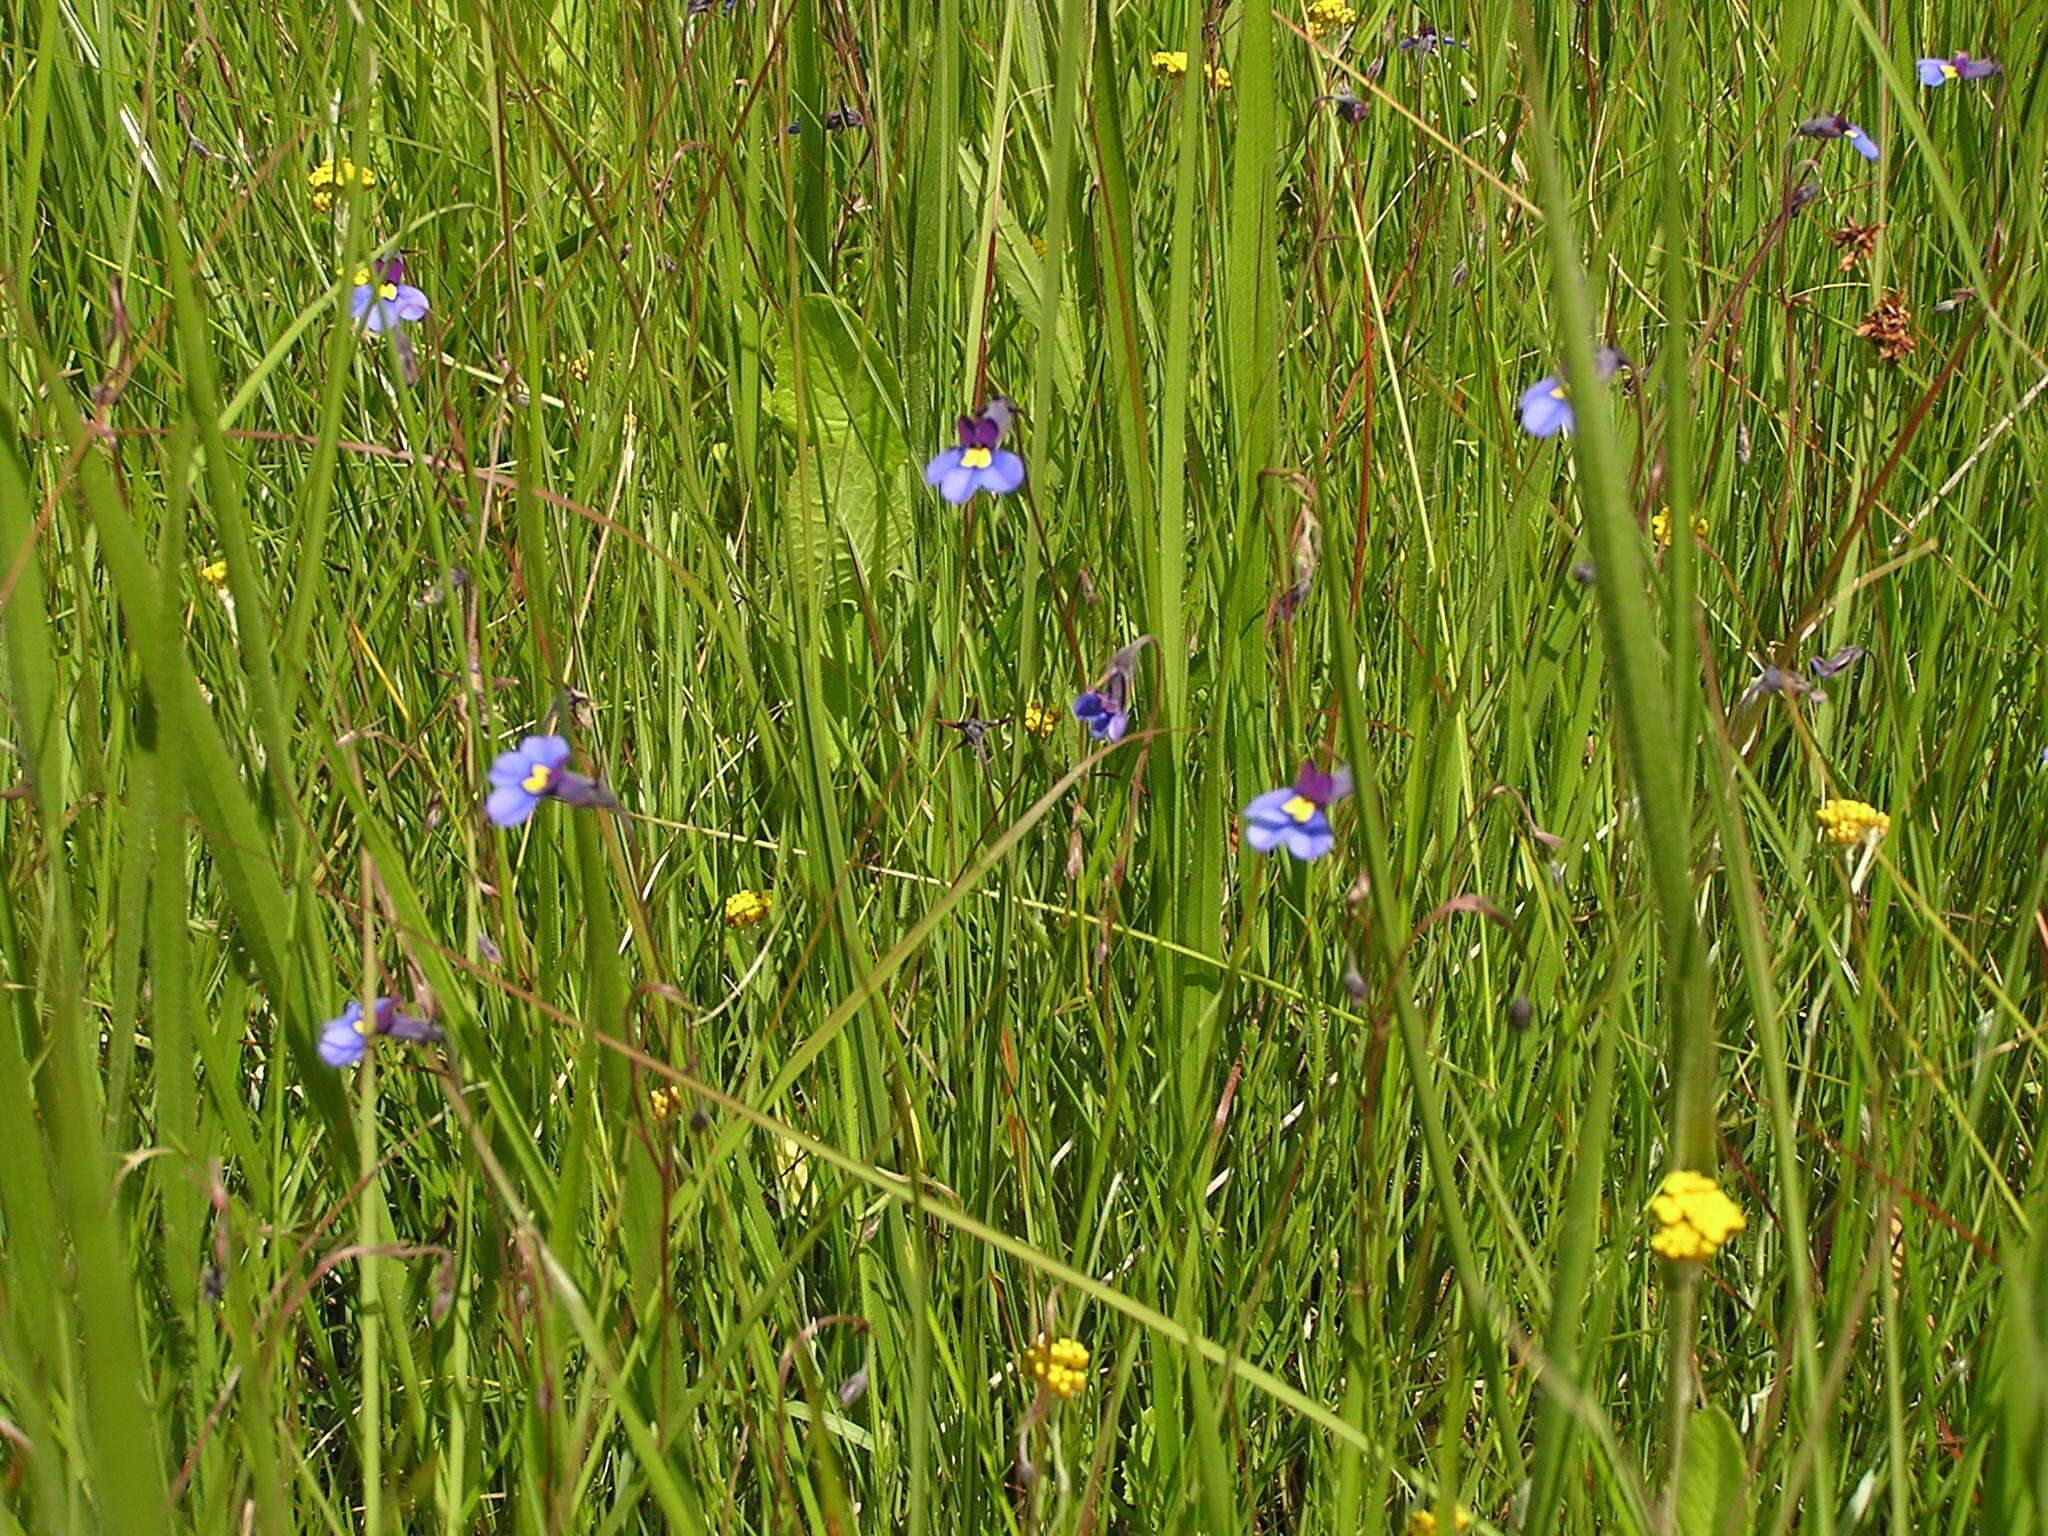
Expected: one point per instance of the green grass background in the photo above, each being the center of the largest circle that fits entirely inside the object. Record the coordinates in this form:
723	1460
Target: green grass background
1037	1047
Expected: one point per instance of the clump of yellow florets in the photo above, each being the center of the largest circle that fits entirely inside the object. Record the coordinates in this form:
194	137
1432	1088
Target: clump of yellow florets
1660	528
743	909
1693	1217
1422	1522
214	573
1058	1365
1172	65
663	1103
1329	16
1040	721
579	366
1849	822
331	177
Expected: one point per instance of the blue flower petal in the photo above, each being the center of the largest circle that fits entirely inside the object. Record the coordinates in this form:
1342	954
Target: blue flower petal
509	805
1004	473
942	465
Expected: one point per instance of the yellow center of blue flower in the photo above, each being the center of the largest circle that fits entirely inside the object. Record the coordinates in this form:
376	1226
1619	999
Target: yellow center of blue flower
363	1023
387	290
976	458
538	779
1557	392
1298	808
1950	72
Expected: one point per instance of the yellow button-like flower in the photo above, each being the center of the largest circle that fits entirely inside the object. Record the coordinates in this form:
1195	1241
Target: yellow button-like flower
1059	1365
743	909
331	177
1169	65
214	573
1660	528
1693	1217
1849	822
663	1103
1219	77
1040	721
1329	16
579	366
1422	1522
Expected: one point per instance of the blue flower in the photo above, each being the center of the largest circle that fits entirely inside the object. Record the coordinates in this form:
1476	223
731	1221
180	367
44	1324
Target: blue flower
1833	125
1546	405
978	464
343	1040
1106	708
1938	72
383	300
532	772
1296	818
1546	408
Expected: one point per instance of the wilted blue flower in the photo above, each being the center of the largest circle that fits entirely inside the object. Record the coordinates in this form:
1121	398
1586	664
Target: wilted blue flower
1427	40
1837	664
1106	708
1346	106
1778	680
978	464
1546	405
343	1040
532	772
1833	125
1295	818
383	299
1961	67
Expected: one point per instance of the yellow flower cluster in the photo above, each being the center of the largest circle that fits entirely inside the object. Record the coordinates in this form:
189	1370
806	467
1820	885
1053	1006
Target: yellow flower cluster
1061	1366
1422	1522
1849	822
214	573
330	177
579	366
1329	16
1040	721
663	1103
1172	66
1660	528
1694	1218
743	909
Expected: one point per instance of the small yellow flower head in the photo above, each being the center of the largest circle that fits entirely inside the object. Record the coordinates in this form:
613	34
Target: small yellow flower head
579	366
665	1103
1326	16
743	909
1040	721
1694	1218
1038	246
1169	66
331	177
1846	823
214	573
1219	77
1660	528
1422	1522
1060	1366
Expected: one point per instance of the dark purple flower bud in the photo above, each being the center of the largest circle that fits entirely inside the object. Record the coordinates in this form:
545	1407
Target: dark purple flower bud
1520	1012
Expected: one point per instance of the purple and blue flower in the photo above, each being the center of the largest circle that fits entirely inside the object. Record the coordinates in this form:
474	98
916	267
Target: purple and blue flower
1546	405
1938	72
382	299
534	771
1106	708
343	1040
1296	818
1833	125
978	464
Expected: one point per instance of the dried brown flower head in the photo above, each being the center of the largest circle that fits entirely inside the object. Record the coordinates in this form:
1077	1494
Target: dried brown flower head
1889	328
1856	242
